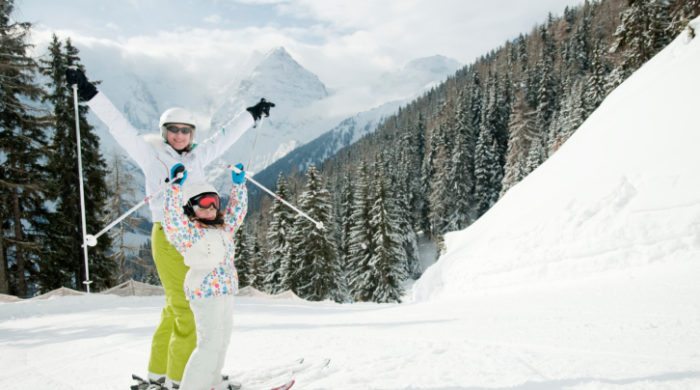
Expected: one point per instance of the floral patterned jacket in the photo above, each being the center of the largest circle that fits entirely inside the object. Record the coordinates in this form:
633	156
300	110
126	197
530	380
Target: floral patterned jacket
208	251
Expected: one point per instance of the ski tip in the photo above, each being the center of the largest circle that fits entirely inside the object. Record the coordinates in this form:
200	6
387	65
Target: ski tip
285	386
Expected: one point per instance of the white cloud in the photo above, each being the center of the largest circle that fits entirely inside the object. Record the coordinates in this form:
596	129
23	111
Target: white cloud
347	43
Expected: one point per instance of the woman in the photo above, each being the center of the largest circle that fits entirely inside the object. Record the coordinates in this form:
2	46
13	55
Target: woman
174	339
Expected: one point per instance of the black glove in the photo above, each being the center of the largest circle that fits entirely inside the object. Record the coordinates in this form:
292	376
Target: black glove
86	90
263	107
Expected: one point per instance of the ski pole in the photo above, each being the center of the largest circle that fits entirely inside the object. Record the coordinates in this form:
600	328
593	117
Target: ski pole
91	240
255	141
319	225
80	186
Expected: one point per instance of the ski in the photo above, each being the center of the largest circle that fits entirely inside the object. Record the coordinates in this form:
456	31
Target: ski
285	386
289	375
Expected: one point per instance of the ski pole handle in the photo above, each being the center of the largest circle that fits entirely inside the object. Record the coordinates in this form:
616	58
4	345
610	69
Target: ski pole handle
319	225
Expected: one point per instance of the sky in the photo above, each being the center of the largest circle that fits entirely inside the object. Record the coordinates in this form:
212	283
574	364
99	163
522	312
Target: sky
344	42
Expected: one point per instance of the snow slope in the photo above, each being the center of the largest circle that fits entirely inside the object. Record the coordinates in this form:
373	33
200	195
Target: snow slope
623	192
594	287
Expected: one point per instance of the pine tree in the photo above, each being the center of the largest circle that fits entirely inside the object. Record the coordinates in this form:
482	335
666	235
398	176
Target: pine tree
257	269
595	90
485	172
461	187
278	235
642	32
387	263
361	248
522	132
22	151
243	257
439	196
66	252
681	12
580	45
546	93
314	255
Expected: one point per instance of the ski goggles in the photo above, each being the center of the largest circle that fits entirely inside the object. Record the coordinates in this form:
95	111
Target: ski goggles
206	201
179	129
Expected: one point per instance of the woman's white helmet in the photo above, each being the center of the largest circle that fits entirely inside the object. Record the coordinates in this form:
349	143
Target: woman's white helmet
176	115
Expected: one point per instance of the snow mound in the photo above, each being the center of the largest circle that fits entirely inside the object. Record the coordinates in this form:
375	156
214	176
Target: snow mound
622	193
59	292
4	298
249	291
134	288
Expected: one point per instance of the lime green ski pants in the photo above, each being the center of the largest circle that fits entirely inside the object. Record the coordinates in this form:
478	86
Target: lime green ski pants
175	338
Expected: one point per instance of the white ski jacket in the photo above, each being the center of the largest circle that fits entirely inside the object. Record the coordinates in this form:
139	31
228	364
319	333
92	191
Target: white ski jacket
155	157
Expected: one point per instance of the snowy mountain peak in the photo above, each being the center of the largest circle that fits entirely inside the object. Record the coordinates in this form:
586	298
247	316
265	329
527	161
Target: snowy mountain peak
280	79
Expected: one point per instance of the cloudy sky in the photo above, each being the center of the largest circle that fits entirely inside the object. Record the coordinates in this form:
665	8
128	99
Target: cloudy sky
346	43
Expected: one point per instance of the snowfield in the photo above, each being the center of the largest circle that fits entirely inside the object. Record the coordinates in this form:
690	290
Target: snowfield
584	276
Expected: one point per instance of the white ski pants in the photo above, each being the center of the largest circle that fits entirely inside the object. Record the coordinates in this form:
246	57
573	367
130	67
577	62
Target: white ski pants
213	319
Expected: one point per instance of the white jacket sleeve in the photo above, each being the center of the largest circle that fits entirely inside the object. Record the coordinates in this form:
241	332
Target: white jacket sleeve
122	131
214	146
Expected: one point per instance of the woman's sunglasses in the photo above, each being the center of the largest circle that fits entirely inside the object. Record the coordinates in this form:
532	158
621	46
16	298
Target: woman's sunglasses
176	129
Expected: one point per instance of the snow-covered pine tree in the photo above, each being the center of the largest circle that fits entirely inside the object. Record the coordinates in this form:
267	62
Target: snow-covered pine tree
681	12
580	44
257	269
406	189
278	233
243	256
486	175
361	247
642	32
488	171
460	184
289	275
439	196
577	108
414	154
595	90
387	263
314	254
546	92
22	152
66	252
522	132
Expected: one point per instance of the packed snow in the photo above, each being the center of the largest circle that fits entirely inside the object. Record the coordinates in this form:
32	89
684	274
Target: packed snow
584	276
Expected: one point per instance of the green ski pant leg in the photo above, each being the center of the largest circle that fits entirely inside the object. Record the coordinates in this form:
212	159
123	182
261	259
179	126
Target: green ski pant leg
175	338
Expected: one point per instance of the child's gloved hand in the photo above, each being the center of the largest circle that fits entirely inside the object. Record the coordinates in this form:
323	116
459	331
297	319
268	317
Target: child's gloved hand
239	177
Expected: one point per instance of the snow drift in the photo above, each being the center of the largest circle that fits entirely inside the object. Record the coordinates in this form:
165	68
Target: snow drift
623	192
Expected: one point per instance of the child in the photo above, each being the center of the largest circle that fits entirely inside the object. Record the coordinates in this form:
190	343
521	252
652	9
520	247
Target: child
195	225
